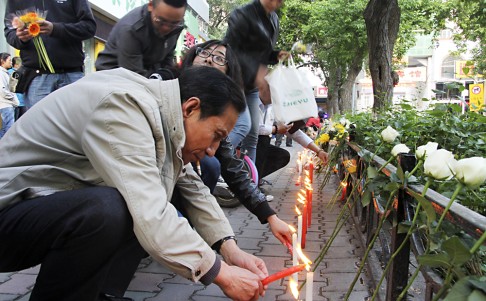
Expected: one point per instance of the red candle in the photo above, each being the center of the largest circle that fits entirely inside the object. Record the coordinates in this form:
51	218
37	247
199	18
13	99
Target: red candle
309	206
283	274
289	246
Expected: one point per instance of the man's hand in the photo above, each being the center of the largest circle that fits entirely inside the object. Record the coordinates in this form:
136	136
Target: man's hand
323	156
283	55
45	27
23	34
280	229
233	255
283	128
239	284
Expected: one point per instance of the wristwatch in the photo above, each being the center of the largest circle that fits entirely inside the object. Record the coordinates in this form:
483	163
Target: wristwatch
217	245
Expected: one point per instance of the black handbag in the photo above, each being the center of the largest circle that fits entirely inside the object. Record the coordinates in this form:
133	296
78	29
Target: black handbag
24	76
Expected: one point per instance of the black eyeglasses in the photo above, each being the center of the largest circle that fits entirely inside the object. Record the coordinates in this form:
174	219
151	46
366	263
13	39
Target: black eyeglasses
162	22
217	59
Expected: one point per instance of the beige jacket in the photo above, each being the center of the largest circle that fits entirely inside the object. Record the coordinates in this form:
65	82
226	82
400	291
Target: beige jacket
116	128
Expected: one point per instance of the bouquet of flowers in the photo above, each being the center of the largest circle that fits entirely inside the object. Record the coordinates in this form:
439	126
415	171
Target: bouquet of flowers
332	138
332	133
28	19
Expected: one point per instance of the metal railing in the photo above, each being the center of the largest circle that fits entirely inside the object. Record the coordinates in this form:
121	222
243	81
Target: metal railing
397	278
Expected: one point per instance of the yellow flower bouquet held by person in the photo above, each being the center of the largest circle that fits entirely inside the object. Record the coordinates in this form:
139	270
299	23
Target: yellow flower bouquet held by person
28	19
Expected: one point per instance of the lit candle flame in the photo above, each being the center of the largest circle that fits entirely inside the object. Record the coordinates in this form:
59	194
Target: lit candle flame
344	184
294	288
298	211
304	258
292	229
302	201
300	194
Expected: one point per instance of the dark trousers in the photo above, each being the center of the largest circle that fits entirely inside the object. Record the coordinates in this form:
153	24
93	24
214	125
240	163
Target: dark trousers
270	158
83	240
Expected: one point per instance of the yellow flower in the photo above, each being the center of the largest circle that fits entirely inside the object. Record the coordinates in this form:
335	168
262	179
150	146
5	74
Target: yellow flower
324	138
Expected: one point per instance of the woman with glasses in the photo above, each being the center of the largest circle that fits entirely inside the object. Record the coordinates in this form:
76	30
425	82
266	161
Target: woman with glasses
219	55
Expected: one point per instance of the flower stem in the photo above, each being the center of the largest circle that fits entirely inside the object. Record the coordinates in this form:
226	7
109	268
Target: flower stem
446	209
445	285
370	245
478	243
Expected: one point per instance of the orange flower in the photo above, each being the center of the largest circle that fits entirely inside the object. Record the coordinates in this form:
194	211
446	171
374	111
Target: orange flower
34	29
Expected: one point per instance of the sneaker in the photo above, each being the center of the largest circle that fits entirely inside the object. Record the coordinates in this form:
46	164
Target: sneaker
264	182
106	297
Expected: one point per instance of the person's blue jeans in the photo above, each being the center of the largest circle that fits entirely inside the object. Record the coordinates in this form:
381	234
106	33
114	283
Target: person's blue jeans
8	115
246	128
210	171
44	84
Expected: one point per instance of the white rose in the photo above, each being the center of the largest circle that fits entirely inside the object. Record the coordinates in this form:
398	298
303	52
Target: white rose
440	164
399	148
424	151
389	134
471	171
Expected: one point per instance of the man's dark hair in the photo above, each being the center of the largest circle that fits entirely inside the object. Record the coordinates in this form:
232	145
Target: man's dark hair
16	60
233	66
216	90
173	3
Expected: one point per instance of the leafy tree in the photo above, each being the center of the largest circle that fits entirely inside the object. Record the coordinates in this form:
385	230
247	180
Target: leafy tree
470	18
219	11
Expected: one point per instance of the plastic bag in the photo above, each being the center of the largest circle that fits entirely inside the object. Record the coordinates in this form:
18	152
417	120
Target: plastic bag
291	93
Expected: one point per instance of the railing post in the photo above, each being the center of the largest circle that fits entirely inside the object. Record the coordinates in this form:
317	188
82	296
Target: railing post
397	277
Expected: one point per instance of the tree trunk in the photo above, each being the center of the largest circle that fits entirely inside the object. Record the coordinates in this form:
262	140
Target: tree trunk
382	18
333	85
348	85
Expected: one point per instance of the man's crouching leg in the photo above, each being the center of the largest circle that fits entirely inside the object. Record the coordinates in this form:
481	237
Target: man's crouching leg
83	240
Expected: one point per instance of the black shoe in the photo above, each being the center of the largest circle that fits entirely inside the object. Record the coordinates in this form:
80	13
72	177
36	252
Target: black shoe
288	145
106	297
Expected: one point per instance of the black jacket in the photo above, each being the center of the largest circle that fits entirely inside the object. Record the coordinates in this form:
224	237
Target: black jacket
252	34
133	44
239	182
73	22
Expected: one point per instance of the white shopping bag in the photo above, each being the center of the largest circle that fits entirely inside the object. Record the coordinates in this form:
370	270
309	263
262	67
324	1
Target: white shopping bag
291	93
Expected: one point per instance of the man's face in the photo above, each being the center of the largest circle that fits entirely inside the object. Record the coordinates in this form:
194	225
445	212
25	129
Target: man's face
204	135
165	18
271	5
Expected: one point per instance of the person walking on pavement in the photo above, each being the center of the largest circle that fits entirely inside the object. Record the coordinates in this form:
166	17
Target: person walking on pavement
8	99
67	24
89	190
144	40
20	109
252	33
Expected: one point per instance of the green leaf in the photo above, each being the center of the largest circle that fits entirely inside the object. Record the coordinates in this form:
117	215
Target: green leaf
476	296
403	227
366	198
426	205
372	172
456	250
460	291
434	260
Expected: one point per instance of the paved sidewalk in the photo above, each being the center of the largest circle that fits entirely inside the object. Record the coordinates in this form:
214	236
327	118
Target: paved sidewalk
152	282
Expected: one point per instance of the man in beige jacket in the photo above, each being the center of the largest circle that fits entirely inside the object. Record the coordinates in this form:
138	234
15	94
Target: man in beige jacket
87	177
